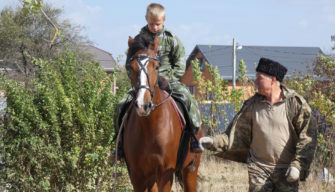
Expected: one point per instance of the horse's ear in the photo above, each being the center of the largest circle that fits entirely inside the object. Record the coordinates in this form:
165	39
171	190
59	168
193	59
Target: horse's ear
155	45
130	41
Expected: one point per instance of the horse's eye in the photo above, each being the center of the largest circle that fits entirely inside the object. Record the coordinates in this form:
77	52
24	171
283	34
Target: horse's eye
157	68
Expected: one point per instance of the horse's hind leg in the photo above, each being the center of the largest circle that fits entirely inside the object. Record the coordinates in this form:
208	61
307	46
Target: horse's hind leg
190	176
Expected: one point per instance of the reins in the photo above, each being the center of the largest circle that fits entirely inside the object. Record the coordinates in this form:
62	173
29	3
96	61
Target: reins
117	145
157	105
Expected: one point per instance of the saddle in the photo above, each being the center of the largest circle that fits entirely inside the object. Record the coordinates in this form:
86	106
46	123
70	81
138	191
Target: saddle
178	106
180	110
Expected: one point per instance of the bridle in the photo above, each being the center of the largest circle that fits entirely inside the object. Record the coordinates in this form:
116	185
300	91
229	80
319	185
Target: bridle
142	65
140	58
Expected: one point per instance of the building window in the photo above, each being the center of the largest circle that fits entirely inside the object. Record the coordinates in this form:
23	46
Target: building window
201	63
191	89
209	95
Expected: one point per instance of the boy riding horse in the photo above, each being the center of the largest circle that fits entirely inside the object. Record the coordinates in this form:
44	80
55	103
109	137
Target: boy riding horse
171	54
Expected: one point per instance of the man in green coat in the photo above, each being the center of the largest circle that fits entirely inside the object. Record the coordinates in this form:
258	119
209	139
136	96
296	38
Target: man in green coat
274	132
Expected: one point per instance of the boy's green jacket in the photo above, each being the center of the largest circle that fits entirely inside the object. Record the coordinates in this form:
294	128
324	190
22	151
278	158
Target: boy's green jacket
171	54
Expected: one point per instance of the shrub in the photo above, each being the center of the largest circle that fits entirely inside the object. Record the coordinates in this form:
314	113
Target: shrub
319	92
218	104
58	128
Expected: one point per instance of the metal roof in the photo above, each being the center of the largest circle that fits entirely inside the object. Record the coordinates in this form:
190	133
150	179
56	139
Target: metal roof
4	66
296	59
105	58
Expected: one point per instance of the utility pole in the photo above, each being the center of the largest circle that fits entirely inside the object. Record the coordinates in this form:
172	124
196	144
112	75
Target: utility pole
234	64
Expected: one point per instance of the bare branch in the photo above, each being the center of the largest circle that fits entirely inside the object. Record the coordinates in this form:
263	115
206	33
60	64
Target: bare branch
56	29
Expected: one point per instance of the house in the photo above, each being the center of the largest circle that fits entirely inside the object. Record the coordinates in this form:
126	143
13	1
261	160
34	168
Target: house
7	66
104	58
296	59
10	69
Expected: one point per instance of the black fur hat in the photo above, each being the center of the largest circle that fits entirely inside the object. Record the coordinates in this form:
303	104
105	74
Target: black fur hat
272	68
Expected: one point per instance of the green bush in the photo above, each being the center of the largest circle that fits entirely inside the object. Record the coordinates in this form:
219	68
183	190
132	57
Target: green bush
319	92
58	130
215	91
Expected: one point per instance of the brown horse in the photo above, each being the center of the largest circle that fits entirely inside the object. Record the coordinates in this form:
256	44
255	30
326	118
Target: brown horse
152	132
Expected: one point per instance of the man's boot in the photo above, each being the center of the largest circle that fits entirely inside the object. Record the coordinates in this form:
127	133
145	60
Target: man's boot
195	147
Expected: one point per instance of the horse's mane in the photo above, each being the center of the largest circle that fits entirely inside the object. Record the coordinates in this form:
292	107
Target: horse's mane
141	42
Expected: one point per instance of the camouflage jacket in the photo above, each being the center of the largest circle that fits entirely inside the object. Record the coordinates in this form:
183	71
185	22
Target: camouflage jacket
237	138
171	54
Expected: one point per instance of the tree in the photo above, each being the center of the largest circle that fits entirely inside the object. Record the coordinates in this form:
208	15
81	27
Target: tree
123	83
33	6
24	35
57	132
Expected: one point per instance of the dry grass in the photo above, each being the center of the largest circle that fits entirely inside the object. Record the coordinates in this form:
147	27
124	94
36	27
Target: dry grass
313	183
222	175
216	175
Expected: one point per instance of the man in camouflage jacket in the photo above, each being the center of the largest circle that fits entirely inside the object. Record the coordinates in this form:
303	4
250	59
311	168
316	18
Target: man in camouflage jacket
277	138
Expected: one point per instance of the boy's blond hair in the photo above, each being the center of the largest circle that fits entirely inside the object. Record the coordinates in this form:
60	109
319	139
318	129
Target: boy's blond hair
155	10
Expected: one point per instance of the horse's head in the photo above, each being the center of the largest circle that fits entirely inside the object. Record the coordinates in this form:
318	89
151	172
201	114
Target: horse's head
144	63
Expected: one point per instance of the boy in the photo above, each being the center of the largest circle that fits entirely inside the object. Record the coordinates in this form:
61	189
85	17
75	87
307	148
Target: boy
171	54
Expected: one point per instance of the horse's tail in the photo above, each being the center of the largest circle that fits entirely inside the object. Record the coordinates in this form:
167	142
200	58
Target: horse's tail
182	153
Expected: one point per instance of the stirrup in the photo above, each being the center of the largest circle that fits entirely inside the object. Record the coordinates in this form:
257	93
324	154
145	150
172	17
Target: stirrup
112	156
117	152
195	148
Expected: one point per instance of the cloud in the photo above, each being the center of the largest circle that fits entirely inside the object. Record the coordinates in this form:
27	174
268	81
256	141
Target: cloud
199	33
93	9
10	3
193	32
78	11
114	39
303	23
307	2
331	18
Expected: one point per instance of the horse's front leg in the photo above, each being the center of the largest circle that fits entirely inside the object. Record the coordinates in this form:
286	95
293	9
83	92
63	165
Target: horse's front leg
144	185
147	183
190	173
166	181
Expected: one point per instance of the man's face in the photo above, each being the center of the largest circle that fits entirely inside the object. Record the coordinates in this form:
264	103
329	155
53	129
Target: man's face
155	25
263	83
